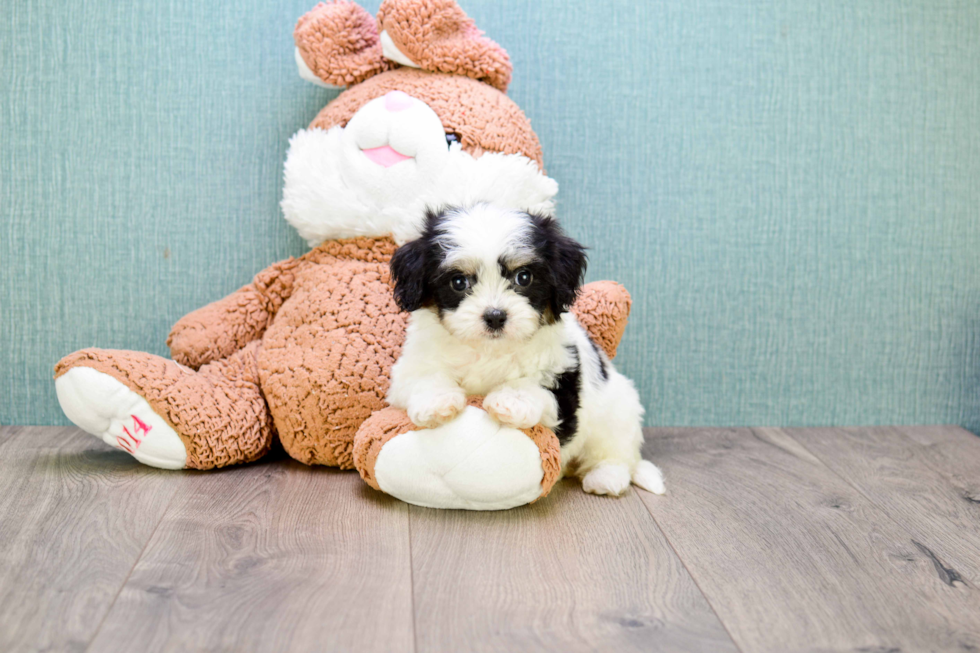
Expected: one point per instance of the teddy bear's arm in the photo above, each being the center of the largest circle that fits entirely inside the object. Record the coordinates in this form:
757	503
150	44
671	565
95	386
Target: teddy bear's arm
603	307
223	327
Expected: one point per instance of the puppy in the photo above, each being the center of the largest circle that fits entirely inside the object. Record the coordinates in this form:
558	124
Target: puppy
489	291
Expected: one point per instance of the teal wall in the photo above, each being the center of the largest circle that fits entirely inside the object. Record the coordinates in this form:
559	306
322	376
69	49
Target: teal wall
790	189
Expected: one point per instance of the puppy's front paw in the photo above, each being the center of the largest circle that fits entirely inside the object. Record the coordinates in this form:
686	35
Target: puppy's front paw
513	408
607	478
430	410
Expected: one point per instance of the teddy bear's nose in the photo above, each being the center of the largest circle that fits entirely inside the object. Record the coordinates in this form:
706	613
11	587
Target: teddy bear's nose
397	101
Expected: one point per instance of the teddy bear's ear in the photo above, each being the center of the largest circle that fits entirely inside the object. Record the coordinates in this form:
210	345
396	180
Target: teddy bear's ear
337	44
436	35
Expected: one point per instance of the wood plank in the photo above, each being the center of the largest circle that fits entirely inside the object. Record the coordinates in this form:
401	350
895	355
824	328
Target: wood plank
74	517
793	558
893	472
8	434
271	557
951	450
573	572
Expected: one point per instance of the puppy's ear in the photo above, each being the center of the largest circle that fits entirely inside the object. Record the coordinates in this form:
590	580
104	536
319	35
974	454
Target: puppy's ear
566	260
408	271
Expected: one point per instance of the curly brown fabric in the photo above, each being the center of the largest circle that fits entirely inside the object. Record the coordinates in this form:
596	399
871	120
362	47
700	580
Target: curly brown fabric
438	36
326	358
485	119
550	449
338	41
218	412
389	423
223	327
603	308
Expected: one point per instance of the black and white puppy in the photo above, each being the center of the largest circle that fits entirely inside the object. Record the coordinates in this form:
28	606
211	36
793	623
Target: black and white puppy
489	291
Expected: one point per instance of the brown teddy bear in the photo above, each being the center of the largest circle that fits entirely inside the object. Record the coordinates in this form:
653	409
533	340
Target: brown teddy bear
303	352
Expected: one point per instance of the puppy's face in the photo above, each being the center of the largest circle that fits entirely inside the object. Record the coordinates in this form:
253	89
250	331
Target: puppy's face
490	274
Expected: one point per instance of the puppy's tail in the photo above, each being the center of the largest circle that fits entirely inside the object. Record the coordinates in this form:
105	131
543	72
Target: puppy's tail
649	477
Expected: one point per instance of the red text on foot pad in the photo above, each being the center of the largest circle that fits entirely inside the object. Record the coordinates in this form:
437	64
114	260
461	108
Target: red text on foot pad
131	442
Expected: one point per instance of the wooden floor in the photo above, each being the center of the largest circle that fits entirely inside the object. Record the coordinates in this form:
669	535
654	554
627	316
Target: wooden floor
863	539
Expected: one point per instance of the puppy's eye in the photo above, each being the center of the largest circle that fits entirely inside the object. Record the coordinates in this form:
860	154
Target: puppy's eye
459	283
452	138
523	278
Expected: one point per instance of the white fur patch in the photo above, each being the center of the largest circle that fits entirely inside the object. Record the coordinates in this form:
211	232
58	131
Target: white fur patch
333	190
649	477
513	407
481	235
478	368
607	478
436	404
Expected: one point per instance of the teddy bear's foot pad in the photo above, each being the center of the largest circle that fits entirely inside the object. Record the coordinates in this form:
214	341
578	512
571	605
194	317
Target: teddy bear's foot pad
472	463
104	407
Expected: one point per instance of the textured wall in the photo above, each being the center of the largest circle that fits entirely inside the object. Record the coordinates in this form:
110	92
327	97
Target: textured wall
791	190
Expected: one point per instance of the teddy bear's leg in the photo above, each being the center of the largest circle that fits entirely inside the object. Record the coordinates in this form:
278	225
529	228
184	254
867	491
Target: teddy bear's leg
167	415
471	462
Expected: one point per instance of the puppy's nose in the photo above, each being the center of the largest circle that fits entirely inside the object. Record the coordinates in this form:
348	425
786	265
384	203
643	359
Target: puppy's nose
495	318
397	101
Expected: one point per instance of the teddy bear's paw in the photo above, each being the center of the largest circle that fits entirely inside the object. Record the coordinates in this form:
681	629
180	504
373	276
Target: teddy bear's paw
472	463
607	478
432	409
104	407
649	477
513	408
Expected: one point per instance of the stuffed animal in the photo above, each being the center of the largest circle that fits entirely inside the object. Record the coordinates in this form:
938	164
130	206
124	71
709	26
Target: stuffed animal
303	352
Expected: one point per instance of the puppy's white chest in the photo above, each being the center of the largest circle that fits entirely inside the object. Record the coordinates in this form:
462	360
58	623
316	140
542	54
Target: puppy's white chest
481	372
485	372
